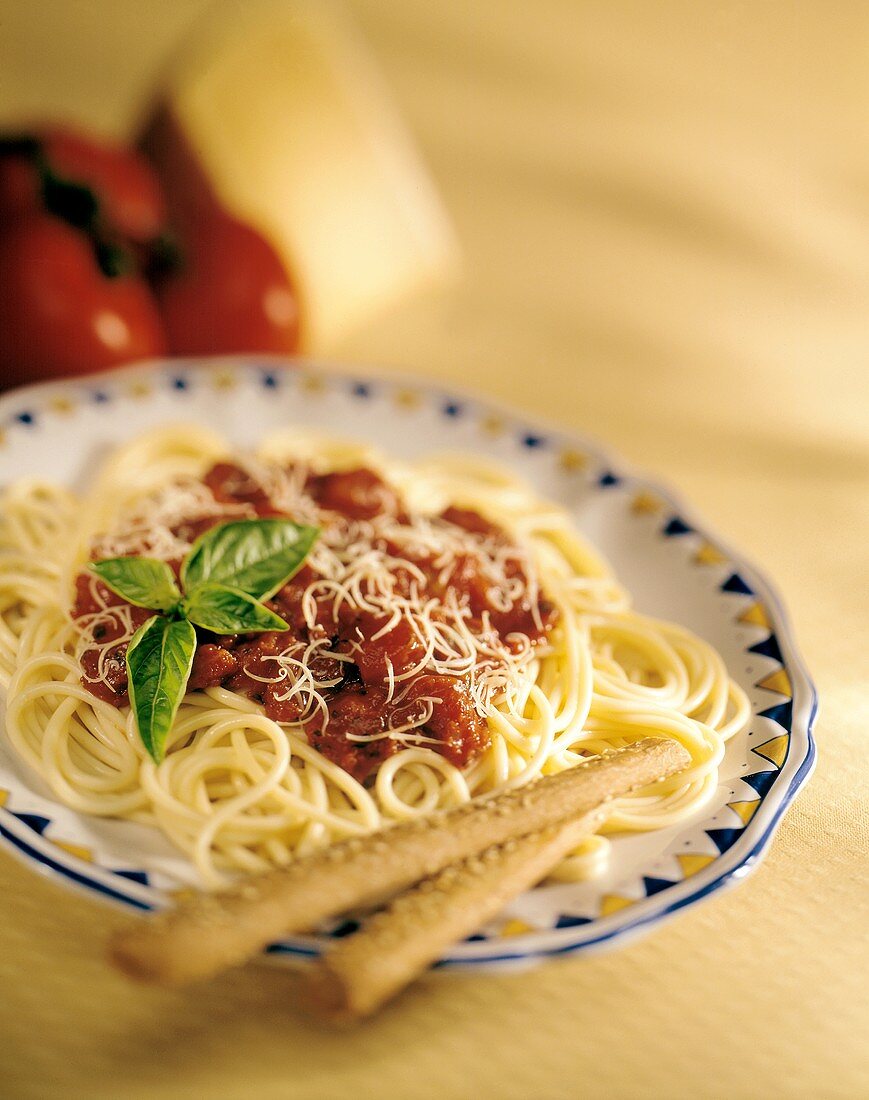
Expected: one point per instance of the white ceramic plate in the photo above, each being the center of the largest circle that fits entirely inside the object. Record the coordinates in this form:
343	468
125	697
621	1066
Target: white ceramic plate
671	562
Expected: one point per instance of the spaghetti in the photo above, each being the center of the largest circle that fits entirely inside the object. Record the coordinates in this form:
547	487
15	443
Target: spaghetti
451	635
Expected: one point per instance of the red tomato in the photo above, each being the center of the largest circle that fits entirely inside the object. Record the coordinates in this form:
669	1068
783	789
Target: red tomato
231	293
19	186
124	182
125	186
59	314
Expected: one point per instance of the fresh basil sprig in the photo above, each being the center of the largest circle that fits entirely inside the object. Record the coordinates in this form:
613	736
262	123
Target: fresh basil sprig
159	660
228	610
228	572
250	554
145	582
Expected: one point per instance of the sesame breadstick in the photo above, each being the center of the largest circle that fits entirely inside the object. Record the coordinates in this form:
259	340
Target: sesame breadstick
212	932
361	972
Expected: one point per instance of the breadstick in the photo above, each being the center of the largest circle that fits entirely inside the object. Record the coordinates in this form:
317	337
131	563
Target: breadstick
212	932
359	973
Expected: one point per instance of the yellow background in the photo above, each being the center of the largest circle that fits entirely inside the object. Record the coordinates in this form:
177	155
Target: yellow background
663	207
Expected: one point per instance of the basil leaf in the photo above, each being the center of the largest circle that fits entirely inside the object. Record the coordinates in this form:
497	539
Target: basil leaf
257	556
159	660
144	582
228	610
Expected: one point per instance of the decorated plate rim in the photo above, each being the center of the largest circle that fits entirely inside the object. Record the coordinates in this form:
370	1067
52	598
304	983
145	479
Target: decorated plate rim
20	410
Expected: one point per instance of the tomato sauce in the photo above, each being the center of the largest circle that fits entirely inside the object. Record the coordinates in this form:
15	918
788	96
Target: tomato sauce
369	668
92	598
357	494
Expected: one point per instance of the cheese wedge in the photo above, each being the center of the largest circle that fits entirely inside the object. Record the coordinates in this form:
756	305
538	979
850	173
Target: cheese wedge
289	122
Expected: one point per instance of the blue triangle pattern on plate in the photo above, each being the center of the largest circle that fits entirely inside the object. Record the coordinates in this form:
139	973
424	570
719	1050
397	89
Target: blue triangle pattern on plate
735	583
568	921
608	479
760	781
768	648
676	527
723	838
656	885
134	876
35	822
345	928
782	713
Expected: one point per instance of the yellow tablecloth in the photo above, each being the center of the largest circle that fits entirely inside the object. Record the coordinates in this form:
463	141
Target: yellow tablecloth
663	209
